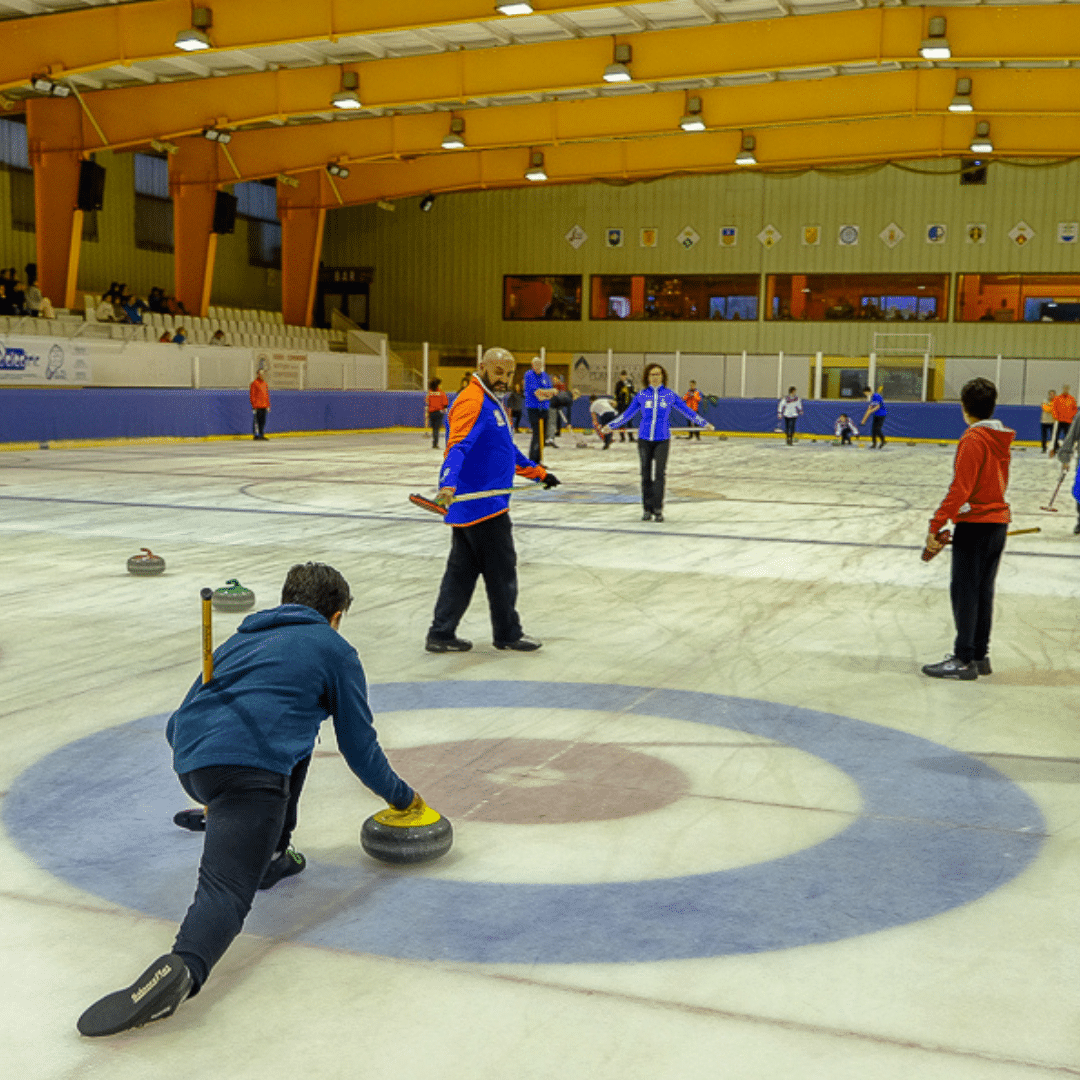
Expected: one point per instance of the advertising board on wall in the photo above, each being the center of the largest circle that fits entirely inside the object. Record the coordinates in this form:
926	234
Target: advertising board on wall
31	361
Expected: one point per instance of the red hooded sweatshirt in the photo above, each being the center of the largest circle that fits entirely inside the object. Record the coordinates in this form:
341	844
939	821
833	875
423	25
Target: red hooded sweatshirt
980	477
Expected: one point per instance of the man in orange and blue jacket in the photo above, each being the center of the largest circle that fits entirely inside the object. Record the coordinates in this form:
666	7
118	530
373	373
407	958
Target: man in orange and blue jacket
475	481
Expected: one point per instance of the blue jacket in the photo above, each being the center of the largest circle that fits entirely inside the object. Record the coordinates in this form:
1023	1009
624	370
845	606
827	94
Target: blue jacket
275	681
655	404
534	382
481	455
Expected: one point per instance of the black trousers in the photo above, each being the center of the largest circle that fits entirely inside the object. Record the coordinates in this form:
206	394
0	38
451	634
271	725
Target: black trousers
845	437
486	550
258	422
877	423
250	815
538	421
515	416
435	422
653	456
976	552
789	427
1047	431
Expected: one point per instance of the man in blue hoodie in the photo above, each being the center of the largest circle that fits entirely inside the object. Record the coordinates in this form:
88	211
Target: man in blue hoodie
242	744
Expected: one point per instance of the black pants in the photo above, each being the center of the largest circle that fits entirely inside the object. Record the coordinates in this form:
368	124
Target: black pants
845	437
976	552
485	549
877	423
653	456
1047	431
606	418
538	420
789	427
258	423
250	815
435	422
515	416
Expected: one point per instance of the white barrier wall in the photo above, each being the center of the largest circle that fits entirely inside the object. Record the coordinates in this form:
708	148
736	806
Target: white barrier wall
45	361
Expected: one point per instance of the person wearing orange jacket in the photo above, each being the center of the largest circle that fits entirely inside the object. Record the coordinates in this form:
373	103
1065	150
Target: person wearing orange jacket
692	397
975	503
259	393
1064	409
437	404
477	474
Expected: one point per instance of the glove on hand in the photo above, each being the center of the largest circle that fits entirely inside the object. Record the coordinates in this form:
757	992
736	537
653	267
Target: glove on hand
550	481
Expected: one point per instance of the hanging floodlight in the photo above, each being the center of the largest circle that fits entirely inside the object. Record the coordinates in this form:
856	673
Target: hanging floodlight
348	96
981	144
455	140
619	71
196	39
746	155
427	202
334	169
693	120
515	8
536	171
935	46
962	101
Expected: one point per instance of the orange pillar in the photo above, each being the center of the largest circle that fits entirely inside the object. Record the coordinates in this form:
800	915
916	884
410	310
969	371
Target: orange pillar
193	181
303	219
54	134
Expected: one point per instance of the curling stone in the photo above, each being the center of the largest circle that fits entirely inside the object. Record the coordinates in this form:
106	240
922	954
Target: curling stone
146	565
232	596
400	836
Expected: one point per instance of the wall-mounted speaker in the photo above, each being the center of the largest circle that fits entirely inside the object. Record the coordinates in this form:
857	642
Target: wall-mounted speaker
91	186
224	212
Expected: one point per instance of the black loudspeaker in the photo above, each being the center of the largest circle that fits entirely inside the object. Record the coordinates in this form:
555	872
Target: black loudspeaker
91	186
224	212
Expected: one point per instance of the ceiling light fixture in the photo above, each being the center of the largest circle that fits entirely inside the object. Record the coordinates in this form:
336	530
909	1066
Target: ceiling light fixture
334	169
217	135
536	171
516	8
981	144
427	202
44	85
692	120
455	140
348	96
195	39
935	46
619	71
746	155
962	101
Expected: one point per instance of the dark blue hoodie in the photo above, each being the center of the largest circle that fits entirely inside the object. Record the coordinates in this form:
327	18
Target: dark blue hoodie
275	681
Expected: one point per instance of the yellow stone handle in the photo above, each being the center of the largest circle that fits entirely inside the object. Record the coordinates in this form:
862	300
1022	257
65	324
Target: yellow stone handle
416	813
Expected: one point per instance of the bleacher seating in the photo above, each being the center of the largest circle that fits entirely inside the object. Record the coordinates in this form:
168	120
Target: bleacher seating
241	326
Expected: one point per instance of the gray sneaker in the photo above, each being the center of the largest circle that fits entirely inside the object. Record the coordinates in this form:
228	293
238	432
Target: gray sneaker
951	668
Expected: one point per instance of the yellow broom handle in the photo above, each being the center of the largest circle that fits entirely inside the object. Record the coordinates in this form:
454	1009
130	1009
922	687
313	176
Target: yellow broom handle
207	636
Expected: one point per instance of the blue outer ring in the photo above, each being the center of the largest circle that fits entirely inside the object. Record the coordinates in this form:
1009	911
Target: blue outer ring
938	829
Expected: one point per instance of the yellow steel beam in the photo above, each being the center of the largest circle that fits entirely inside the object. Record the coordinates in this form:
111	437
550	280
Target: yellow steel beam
71	42
823	145
998	94
132	116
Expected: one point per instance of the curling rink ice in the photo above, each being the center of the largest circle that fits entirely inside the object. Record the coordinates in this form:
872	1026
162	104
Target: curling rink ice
720	826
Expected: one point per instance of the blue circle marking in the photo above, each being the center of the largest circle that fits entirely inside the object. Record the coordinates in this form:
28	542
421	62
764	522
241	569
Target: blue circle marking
937	829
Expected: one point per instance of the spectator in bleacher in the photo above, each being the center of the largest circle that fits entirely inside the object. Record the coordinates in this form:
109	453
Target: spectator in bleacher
174	306
165	339
133	307
18	293
7	305
156	301
218	338
180	337
259	393
34	300
104	312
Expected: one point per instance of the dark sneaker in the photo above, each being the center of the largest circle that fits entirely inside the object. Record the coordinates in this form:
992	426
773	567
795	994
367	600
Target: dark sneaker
523	644
288	863
155	994
658	516
646	516
1076	529
983	666
951	668
454	644
192	820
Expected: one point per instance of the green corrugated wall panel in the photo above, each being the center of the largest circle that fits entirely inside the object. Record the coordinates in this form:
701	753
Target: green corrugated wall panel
438	276
16	248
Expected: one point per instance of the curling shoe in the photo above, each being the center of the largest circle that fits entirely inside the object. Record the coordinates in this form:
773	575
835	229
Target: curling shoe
983	666
951	668
523	644
657	516
288	863
454	644
155	994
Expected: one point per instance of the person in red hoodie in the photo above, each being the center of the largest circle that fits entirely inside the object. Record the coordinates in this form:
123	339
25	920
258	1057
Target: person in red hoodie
437	404
259	393
976	505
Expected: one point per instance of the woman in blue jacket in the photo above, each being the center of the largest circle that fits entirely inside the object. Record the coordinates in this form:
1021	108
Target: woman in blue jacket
655	402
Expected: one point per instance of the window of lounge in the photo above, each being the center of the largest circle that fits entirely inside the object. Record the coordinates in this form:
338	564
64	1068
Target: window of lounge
1047	298
874	297
546	297
700	297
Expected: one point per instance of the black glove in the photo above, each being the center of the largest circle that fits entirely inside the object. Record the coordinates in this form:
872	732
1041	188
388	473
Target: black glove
550	481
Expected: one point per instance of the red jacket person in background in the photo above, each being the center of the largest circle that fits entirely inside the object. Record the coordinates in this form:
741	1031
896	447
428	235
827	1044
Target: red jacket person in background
477	474
976	504
259	393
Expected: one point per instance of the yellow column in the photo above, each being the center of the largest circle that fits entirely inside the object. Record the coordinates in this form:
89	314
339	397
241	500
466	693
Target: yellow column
193	181
54	133
302	222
